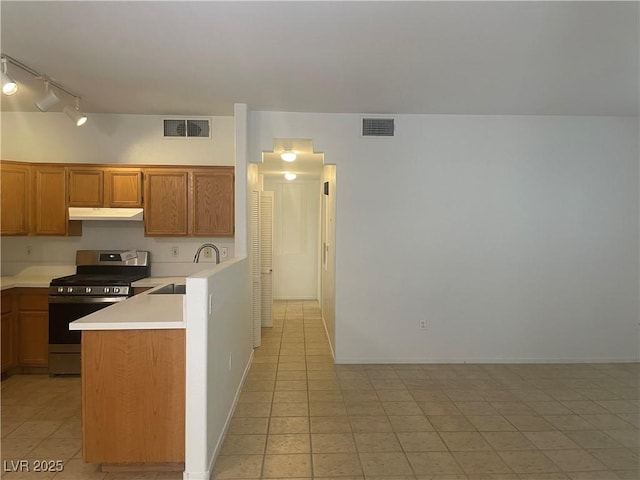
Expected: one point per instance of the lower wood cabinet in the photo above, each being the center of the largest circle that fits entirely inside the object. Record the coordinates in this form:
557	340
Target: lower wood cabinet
25	328
133	396
9	331
33	326
34	339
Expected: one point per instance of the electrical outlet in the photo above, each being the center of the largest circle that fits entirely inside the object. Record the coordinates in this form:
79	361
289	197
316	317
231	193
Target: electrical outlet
224	252
423	324
28	251
207	252
174	251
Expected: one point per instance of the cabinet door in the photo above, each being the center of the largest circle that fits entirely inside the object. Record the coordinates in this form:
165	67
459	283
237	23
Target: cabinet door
14	203
213	201
7	341
33	339
165	197
86	187
8	333
50	196
123	187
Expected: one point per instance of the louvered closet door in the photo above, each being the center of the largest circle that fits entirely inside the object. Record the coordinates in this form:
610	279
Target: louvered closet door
266	258
254	240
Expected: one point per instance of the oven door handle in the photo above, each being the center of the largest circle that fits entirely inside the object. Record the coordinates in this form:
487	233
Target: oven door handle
86	300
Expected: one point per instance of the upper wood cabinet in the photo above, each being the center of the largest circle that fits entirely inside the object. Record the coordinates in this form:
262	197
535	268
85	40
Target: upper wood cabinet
195	202
166	202
105	187
15	183
86	187
213	202
50	213
123	187
178	201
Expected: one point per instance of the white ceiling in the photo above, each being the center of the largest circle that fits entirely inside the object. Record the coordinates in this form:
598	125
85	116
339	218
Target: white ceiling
199	58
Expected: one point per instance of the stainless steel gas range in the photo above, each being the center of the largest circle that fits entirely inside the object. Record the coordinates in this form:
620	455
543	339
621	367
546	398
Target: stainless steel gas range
102	278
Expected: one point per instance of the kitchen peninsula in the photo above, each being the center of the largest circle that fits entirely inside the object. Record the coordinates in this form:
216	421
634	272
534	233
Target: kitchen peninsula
133	383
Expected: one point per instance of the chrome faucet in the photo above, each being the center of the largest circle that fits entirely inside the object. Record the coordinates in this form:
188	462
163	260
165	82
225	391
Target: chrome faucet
196	257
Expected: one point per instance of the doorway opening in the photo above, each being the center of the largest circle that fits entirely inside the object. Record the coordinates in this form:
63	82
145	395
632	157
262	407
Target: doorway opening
292	232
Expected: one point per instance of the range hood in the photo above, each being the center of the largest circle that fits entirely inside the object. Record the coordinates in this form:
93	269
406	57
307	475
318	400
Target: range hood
129	214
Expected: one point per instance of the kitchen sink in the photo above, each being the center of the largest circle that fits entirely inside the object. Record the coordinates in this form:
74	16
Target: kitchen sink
171	289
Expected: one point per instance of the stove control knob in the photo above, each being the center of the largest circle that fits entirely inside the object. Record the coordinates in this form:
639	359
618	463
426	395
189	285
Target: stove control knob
60	289
116	290
107	289
88	289
70	290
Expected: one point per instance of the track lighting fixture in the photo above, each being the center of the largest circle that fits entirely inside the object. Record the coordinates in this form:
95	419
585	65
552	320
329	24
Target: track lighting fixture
9	86
75	114
288	155
49	100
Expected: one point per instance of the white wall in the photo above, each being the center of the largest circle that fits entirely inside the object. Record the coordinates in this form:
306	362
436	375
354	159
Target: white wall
108	138
516	238
295	237
219	350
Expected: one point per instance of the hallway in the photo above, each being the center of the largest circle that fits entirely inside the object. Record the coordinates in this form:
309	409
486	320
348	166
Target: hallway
301	416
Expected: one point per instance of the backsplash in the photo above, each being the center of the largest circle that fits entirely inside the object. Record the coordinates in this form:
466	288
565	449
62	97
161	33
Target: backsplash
116	235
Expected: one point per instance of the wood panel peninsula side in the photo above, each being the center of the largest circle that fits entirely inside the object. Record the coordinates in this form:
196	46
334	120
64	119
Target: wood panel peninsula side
133	398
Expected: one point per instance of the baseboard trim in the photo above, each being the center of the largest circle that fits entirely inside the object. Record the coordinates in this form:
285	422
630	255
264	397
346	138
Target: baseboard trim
341	360
326	332
216	451
284	299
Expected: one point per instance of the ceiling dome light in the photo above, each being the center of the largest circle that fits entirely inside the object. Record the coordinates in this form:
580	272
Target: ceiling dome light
288	156
9	86
290	176
49	99
75	114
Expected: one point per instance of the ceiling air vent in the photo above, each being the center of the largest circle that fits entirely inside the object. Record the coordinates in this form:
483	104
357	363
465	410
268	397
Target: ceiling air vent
187	128
377	127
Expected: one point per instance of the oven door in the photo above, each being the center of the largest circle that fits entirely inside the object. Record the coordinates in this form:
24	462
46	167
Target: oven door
64	344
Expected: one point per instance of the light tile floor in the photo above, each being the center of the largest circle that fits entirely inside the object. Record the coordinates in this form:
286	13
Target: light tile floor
301	416
41	418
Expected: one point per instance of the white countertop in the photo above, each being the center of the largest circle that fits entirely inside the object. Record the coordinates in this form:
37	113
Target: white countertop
36	276
157	281
142	312
41	276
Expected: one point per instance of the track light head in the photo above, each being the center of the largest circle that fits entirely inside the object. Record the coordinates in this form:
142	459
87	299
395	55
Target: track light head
9	86
49	99
75	114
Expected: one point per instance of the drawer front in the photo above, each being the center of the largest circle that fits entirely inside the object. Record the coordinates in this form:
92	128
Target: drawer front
36	300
